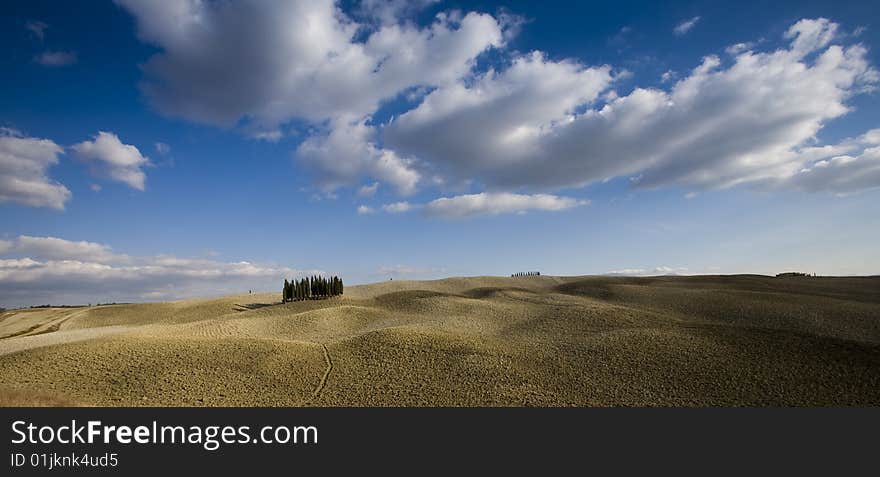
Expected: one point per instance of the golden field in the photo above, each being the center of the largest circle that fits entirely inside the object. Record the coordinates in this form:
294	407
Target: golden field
743	340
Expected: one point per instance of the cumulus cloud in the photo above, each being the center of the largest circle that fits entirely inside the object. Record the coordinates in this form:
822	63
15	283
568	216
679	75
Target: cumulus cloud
685	26
51	248
493	127
752	121
738	48
398	207
38	270
809	35
392	11
347	151
37	28
536	124
56	58
110	157
309	64
488	203
24	162
841	174
368	190
267	63
365	210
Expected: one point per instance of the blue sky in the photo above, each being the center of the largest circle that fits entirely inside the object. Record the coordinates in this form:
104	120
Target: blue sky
382	139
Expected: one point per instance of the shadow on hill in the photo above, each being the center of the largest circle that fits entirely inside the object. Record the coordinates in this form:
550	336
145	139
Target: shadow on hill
253	306
491	292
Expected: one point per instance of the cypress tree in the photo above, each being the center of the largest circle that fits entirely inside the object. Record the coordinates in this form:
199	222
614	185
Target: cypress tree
284	291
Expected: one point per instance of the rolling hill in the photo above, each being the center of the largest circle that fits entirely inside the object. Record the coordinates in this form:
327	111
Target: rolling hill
742	340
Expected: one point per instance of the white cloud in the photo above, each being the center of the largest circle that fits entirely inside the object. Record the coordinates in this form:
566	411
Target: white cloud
392	11
110	157
738	48
486	203
56	58
809	35
365	210
398	207
51	248
267	63
841	174
748	122
493	203
368	190
493	126
162	148
24	162
662	270
850	166
536	125
37	270
271	135
37	28
347	151
685	26
284	60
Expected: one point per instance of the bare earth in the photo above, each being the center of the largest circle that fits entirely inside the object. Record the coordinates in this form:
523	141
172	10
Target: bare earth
742	340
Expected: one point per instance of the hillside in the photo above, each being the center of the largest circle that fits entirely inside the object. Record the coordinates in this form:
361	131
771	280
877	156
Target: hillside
480	341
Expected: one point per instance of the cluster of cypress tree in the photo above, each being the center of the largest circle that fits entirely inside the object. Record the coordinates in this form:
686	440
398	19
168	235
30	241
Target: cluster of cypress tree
310	288
525	274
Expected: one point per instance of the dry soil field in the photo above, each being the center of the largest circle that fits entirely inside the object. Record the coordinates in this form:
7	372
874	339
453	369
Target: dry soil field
530	341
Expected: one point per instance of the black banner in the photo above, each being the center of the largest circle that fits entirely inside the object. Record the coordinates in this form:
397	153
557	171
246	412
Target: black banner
241	441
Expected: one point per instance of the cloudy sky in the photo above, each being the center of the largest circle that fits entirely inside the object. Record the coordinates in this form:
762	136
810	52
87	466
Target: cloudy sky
154	149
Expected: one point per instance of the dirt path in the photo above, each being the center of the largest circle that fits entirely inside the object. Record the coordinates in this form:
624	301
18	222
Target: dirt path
23	343
54	325
326	375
